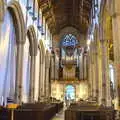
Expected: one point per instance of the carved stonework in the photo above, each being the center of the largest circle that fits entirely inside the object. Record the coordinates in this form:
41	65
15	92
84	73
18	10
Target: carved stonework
2	10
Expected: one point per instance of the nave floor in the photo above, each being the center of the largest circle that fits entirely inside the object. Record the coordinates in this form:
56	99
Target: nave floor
59	116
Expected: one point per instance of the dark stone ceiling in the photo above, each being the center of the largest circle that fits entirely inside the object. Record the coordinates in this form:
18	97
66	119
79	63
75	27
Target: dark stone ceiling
63	13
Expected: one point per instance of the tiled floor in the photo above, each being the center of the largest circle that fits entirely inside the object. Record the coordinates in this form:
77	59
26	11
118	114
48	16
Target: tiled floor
59	116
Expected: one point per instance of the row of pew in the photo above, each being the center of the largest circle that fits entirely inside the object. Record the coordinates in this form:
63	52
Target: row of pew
89	111
31	111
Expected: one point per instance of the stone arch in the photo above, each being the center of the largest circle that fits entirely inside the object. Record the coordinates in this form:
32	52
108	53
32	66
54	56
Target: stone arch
16	11
42	51
18	20
33	40
69	30
2	10
47	58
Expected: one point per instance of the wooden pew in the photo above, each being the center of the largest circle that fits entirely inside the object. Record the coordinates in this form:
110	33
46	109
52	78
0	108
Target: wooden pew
35	111
86	111
31	111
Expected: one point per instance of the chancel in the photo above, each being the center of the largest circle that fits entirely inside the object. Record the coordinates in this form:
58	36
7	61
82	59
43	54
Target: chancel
59	59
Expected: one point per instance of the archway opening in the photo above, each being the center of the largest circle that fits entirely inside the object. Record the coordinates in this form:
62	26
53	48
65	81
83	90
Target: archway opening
70	92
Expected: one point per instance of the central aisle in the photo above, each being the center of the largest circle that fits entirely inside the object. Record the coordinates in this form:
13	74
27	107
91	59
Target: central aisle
59	116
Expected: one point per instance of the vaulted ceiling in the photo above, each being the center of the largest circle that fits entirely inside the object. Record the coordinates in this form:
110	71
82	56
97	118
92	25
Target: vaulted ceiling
63	13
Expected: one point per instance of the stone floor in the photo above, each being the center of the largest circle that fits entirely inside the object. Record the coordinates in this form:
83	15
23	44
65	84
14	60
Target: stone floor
59	116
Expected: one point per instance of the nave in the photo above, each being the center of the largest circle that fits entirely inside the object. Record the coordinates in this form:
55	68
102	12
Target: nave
60	53
59	116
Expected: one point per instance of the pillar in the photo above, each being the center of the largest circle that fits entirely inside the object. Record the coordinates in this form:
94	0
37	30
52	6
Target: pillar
96	72
85	66
116	44
99	73
42	81
32	78
92	71
47	67
103	70
19	73
89	76
81	66
106	98
47	82
39	88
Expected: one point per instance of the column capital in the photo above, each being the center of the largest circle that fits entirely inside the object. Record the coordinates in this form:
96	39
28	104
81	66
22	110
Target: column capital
104	41
20	43
115	14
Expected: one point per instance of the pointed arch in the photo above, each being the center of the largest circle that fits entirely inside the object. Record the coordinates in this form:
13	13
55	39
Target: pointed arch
16	14
42	51
47	58
16	11
33	40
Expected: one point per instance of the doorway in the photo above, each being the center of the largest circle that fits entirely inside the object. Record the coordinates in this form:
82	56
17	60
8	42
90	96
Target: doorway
70	93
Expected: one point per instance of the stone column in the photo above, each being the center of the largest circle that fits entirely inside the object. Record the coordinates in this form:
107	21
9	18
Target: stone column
81	66
42	80
47	82
19	73
100	73
50	72
85	67
95	68
104	71
116	44
47	66
32	78
93	71
96	76
89	75
106	97
39	88
94	86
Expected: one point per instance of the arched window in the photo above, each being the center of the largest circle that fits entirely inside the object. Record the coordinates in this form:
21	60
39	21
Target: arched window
69	40
7	57
68	45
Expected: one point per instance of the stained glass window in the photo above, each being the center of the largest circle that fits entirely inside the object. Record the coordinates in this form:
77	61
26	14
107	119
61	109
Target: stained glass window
69	40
